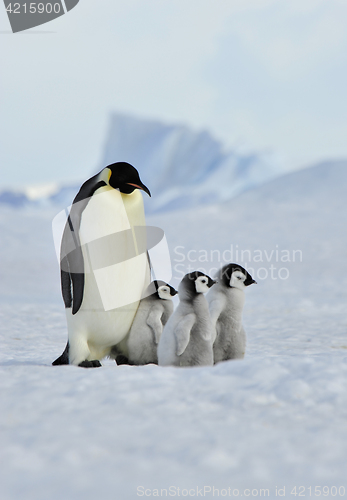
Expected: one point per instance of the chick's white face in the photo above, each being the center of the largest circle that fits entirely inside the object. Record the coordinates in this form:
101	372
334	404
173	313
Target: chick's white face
164	292
237	280
201	284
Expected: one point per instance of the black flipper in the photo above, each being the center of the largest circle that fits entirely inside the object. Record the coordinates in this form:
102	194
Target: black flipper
64	358
71	257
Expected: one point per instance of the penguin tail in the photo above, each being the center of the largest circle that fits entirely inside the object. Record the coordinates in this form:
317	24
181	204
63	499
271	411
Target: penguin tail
64	358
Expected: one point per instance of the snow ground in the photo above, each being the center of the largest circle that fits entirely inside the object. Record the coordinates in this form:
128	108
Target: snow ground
275	419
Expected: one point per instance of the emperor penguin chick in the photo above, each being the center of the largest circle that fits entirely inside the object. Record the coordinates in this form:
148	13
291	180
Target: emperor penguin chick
151	316
226	301
187	336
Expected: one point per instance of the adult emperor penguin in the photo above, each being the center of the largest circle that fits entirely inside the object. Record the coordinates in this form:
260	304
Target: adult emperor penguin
226	301
104	263
152	314
187	336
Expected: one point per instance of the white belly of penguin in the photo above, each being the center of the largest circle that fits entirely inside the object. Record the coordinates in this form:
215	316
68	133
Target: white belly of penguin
111	294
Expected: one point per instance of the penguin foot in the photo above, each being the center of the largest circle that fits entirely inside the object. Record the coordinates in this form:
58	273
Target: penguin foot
122	360
95	363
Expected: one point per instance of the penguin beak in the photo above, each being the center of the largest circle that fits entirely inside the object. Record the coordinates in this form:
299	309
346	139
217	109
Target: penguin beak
254	282
173	292
142	187
211	283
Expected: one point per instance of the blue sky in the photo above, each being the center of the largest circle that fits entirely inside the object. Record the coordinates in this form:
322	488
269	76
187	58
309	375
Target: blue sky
259	74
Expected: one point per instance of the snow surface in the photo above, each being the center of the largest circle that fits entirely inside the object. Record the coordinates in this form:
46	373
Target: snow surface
275	419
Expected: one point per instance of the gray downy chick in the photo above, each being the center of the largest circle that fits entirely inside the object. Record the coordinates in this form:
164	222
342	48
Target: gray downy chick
187	336
226	300
152	314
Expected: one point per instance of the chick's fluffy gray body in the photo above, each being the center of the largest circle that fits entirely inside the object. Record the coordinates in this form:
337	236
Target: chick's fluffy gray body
226	300
152	314
226	306
187	336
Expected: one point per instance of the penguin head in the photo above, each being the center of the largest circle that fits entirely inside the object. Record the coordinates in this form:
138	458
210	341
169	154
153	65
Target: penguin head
235	276
161	290
195	283
125	177
164	290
